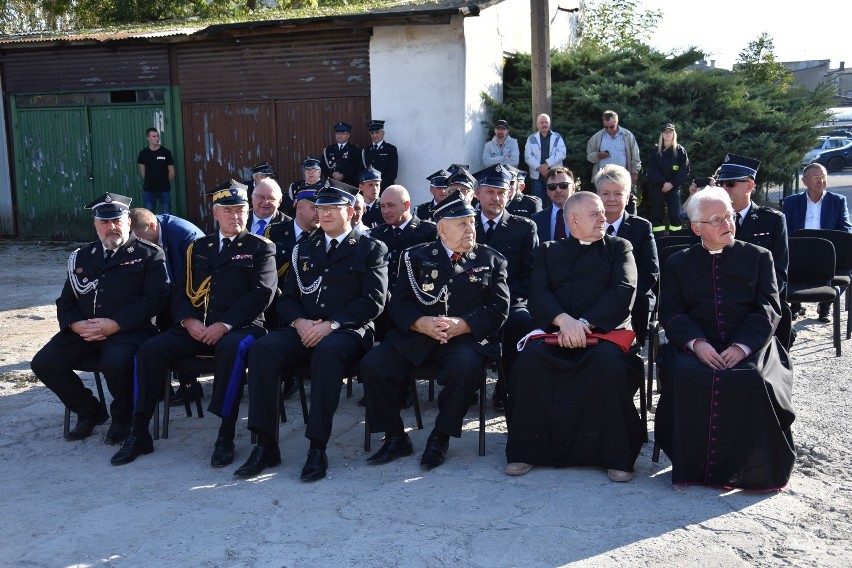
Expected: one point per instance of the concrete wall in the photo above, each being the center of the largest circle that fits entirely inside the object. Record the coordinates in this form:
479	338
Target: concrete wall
427	84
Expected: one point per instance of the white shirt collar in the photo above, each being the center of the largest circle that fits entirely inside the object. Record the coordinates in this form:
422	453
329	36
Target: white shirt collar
485	219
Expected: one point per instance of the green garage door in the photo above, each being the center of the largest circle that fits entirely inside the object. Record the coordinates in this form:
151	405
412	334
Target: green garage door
65	157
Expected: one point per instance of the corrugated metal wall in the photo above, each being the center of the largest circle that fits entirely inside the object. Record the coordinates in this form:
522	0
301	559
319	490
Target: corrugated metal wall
272	98
292	66
85	68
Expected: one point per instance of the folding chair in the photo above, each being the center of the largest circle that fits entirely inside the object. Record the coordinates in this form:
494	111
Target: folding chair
810	276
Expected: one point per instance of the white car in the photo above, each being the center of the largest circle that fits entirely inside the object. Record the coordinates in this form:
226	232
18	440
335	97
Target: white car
833	152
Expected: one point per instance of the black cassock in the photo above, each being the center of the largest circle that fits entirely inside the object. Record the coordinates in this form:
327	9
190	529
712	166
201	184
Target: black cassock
728	428
574	407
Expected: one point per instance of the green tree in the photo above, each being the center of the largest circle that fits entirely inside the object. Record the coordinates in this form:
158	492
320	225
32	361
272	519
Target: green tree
757	63
715	111
616	24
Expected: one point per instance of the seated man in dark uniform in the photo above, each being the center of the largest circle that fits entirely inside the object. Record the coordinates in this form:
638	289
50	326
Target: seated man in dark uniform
115	286
613	186
572	403
311	180
218	309
515	238
519	203
724	414
369	184
336	286
449	302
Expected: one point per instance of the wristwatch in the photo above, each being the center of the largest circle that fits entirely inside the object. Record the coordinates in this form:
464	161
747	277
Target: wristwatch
585	321
334	325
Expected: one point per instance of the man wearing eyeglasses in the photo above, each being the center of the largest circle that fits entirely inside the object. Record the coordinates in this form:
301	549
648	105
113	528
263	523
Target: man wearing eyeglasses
550	222
618	147
724	414
265	201
332	293
816	208
758	225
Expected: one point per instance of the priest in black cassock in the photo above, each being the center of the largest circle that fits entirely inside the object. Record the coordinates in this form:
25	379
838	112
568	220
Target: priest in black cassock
724	414
573	402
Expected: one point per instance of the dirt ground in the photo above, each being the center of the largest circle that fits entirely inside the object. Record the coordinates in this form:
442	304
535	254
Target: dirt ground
65	505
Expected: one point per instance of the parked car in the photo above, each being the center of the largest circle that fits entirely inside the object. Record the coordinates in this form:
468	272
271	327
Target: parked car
833	152
841	133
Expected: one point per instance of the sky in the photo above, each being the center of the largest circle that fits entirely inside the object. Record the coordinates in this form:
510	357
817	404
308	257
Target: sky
725	27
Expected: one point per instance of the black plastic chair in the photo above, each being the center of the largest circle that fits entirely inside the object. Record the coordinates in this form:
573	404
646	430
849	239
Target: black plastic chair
664	251
842	242
810	275
91	365
195	366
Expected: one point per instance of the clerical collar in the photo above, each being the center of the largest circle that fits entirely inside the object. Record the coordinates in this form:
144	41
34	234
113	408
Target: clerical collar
585	243
717	251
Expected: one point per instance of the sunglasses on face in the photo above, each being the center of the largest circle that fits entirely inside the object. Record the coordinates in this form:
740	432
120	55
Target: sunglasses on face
560	185
815	179
731	182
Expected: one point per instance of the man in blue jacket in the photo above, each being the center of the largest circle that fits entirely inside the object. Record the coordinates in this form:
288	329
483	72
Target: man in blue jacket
816	208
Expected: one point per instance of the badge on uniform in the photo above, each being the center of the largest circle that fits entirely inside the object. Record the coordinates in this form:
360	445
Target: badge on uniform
471	255
305	266
130	249
434	274
434	252
79	271
209	245
427	287
239	244
94	250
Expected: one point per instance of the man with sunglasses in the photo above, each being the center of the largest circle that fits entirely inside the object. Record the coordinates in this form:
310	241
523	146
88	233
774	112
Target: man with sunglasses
550	222
816	208
758	225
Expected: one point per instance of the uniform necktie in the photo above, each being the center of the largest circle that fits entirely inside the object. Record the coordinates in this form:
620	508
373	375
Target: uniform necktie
302	236
331	247
108	253
375	146
260	226
397	232
739	218
610	230
455	258
489	230
340	146
226	242
559	230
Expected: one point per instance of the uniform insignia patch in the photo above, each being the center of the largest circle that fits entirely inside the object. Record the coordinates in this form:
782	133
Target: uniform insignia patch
434	252
239	244
130	249
471	255
434	274
94	250
79	271
427	287
305	266
209	245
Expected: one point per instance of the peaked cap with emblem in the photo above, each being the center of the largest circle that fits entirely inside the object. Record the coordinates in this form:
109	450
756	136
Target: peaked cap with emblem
336	193
453	207
262	168
737	167
110	206
230	193
498	176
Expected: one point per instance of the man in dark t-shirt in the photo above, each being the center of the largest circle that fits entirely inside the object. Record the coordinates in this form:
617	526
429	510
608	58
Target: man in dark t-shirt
157	168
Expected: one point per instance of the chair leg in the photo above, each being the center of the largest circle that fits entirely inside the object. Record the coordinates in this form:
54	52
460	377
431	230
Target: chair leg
167	395
157	421
366	432
655	456
303	398
848	312
652	339
100	388
837	321
482	398
417	416
431	390
196	394
66	423
349	381
643	411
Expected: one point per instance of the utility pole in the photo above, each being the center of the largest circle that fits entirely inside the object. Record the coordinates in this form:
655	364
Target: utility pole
540	57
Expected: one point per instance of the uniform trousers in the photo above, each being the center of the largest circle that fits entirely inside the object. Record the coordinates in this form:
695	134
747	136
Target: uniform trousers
156	355
384	370
282	350
54	365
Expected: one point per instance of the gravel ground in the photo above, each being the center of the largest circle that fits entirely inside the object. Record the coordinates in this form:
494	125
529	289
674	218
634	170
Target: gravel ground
66	506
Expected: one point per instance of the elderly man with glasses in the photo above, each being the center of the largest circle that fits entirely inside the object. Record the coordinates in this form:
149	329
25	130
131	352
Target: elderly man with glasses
724	414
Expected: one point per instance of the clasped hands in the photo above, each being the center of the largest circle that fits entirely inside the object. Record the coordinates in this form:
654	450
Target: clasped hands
95	329
727	359
206	334
441	328
311	332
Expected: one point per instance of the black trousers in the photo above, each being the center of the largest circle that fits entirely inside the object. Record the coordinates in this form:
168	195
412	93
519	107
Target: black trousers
230	353
384	370
282	350
54	366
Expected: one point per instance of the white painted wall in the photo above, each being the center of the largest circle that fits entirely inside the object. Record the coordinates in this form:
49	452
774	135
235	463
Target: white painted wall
7	217
427	83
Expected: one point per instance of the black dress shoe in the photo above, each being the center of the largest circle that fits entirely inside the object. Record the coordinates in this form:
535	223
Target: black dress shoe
133	447
435	452
822	314
315	466
117	433
223	452
260	458
394	447
86	424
